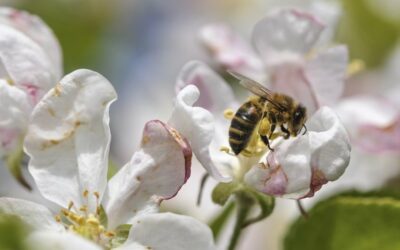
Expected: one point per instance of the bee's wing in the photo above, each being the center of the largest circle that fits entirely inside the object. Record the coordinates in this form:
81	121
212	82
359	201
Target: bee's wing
255	87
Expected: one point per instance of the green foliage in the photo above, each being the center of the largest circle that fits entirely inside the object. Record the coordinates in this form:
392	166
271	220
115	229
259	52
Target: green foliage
370	37
219	221
12	233
121	235
223	191
78	26
353	221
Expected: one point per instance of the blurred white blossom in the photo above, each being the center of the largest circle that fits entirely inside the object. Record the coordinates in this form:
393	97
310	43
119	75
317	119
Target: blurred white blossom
30	64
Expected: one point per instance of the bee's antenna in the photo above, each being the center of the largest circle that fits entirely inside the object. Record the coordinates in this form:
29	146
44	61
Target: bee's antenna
305	128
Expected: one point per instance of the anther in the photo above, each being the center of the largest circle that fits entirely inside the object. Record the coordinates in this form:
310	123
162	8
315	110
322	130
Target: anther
109	234
70	205
229	114
92	220
355	67
83	208
85	193
58	218
97	195
226	150
65	212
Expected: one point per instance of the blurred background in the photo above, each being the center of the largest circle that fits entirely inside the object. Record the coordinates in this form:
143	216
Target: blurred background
141	45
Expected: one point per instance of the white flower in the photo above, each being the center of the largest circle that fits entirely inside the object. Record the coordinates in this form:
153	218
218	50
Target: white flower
293	58
296	169
30	64
68	141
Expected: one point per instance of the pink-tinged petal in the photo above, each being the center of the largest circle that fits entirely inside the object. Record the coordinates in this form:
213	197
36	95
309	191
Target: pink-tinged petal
231	51
289	30
289	77
300	166
156	172
33	214
197	125
50	240
329	12
326	74
373	123
286	172
216	95
169	231
14	115
68	139
25	64
330	148
38	31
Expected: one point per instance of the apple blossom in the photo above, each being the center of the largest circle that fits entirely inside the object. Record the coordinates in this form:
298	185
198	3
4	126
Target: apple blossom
293	58
68	142
30	65
296	169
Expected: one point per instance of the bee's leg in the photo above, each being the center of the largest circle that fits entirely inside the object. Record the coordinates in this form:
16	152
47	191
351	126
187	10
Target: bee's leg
284	130
272	120
264	138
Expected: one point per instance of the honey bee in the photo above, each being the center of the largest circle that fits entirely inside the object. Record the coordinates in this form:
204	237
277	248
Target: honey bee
265	110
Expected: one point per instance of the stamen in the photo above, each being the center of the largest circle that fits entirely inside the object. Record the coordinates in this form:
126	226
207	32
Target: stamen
109	234
85	193
226	150
58	218
355	67
92	220
229	114
70	205
84	208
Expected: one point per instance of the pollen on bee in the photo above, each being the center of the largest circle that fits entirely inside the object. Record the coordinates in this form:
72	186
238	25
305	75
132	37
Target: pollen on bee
229	114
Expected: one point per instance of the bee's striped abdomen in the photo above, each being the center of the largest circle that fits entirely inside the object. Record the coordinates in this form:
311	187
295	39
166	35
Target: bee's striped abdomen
242	126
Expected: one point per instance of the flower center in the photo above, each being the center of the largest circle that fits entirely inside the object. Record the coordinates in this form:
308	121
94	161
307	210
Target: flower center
87	224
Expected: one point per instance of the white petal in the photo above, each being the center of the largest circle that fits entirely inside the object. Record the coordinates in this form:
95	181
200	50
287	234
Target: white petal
50	240
329	12
286	30
197	125
326	74
330	148
231	52
300	166
37	30
373	122
170	232
33	214
215	94
14	112
69	136
156	172
25	63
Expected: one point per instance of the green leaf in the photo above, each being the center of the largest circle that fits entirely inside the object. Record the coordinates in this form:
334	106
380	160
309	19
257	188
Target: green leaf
369	36
12	233
103	217
121	234
349	221
266	204
219	221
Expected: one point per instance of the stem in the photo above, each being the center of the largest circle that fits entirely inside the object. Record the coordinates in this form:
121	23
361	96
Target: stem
301	209
219	221
202	183
242	211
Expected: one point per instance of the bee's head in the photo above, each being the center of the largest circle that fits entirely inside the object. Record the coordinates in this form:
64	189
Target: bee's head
298	119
